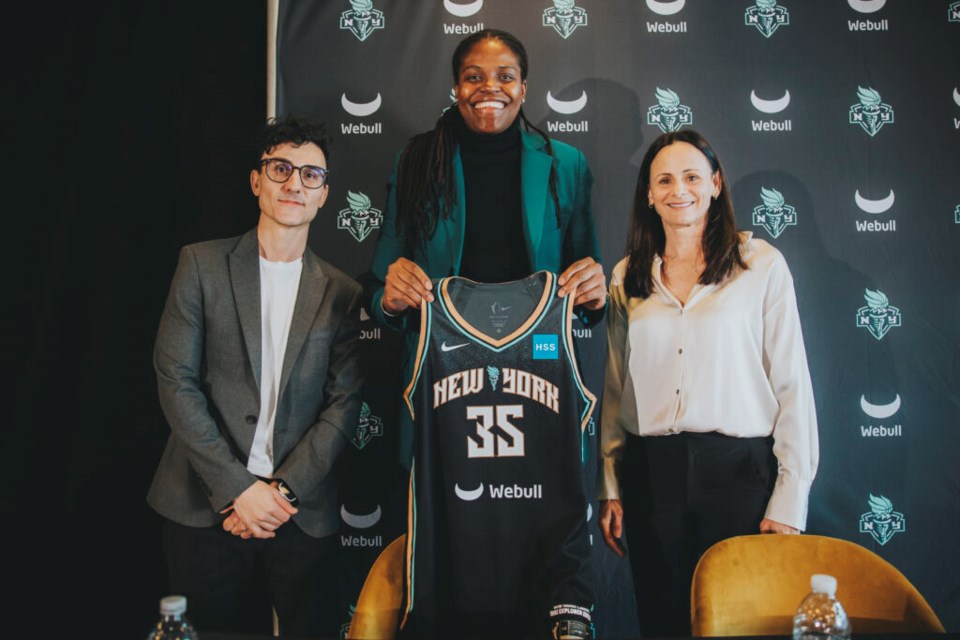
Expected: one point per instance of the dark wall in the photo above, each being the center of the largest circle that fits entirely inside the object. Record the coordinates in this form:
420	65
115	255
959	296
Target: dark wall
784	91
131	123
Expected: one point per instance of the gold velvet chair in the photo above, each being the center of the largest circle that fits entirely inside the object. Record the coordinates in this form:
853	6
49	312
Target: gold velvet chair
377	614
752	585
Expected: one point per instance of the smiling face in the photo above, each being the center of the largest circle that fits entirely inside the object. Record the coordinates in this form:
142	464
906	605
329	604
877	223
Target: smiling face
682	185
489	87
289	204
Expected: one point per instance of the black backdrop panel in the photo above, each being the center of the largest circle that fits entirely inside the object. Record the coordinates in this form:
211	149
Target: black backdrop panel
838	124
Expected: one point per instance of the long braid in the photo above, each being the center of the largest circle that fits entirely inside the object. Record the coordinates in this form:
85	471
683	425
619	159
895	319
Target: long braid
426	189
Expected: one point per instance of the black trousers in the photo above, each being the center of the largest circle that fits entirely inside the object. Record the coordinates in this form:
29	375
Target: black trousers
231	584
681	494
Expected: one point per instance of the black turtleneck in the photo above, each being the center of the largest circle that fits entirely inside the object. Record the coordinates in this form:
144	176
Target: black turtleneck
493	245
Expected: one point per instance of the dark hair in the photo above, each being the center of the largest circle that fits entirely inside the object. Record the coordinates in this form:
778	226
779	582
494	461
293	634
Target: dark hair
509	40
721	242
426	189
291	129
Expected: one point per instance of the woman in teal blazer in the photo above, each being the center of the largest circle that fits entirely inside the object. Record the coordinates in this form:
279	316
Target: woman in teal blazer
481	197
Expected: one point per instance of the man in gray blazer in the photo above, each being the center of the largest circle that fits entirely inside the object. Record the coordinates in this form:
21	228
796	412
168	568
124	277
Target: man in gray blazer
259	380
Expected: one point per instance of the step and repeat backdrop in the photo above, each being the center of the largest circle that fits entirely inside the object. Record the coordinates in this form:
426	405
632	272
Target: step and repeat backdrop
838	123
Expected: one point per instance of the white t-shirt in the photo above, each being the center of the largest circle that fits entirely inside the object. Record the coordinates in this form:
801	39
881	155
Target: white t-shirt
279	284
731	360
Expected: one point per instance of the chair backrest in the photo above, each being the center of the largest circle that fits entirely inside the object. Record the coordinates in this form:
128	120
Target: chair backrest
752	585
377	614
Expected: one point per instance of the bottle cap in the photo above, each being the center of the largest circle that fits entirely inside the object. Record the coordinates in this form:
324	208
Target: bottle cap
173	605
822	583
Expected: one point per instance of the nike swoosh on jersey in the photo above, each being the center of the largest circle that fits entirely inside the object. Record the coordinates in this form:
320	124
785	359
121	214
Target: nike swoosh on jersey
444	347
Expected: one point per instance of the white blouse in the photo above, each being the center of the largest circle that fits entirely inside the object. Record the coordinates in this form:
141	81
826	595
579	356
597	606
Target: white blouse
731	360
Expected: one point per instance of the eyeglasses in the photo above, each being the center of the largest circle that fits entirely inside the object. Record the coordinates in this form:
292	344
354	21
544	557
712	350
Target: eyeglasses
280	170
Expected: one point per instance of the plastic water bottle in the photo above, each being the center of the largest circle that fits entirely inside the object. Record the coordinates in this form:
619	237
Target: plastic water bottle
173	623
820	616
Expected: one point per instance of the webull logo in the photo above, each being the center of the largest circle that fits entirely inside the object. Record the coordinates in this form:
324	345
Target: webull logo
567	107
874	206
665	8
500	492
360	521
360	110
662	8
880	412
866	6
462	10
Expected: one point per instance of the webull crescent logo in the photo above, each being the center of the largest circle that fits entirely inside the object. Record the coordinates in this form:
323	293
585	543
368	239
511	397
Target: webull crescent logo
361	522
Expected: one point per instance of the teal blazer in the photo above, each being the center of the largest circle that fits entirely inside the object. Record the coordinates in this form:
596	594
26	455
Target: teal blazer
552	244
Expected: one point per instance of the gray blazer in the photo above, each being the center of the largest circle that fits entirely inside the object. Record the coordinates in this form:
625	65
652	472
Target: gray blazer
207	358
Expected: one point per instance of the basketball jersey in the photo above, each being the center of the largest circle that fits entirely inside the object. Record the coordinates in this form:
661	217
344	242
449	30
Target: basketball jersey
497	542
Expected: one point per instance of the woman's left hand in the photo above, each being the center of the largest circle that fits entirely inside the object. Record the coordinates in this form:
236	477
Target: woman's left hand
584	279
771	526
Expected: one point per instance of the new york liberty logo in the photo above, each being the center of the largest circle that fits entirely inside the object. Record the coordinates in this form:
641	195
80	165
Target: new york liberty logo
882	522
345	627
956	214
669	114
367	427
362	19
360	218
878	316
766	16
953	12
565	16
493	375
870	113
773	215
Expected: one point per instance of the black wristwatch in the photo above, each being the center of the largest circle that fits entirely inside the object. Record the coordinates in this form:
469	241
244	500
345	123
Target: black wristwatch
287	493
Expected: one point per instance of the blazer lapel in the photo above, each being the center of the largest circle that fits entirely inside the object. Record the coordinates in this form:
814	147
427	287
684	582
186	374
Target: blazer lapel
534	184
305	310
244	264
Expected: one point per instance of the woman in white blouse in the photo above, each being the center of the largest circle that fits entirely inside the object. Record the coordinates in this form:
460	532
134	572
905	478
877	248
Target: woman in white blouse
709	428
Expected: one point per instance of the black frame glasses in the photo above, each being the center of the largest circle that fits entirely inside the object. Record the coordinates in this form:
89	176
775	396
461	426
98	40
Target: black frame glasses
275	167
